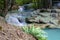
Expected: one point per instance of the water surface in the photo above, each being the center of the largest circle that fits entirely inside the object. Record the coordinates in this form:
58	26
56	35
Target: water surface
53	34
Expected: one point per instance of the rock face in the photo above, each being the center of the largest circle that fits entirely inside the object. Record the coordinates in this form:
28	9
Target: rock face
9	32
52	19
19	18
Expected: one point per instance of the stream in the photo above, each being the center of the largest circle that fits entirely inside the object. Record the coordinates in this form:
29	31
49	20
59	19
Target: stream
53	34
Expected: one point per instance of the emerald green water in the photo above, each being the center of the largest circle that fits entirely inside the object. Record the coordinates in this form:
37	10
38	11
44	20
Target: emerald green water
53	34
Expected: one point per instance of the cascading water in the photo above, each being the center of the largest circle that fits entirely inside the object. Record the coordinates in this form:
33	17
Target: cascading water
17	18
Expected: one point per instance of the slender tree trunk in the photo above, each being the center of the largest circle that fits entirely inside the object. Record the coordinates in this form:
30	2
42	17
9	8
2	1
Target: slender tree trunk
7	5
5	8
12	3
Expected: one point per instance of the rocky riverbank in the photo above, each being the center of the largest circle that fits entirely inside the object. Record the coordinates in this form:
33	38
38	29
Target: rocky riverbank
51	19
28	17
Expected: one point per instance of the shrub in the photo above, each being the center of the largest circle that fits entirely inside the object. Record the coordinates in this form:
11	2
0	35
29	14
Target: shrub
36	32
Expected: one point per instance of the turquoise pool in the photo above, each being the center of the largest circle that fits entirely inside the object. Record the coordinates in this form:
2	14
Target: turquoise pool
53	34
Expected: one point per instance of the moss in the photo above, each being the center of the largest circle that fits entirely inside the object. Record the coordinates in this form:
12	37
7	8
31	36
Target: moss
0	28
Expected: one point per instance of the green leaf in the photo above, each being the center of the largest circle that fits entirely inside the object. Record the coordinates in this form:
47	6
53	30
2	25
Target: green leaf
36	32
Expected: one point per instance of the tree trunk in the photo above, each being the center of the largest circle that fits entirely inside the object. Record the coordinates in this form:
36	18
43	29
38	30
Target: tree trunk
5	8
8	5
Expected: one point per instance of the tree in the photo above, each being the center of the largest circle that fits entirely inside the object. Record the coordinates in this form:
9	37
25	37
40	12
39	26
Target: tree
38	4
7	4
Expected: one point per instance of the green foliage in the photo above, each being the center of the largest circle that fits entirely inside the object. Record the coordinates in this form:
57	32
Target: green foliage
1	4
1	7
36	3
22	2
36	32
19	2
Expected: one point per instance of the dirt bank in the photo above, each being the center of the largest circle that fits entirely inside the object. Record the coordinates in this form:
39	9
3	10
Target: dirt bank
9	32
